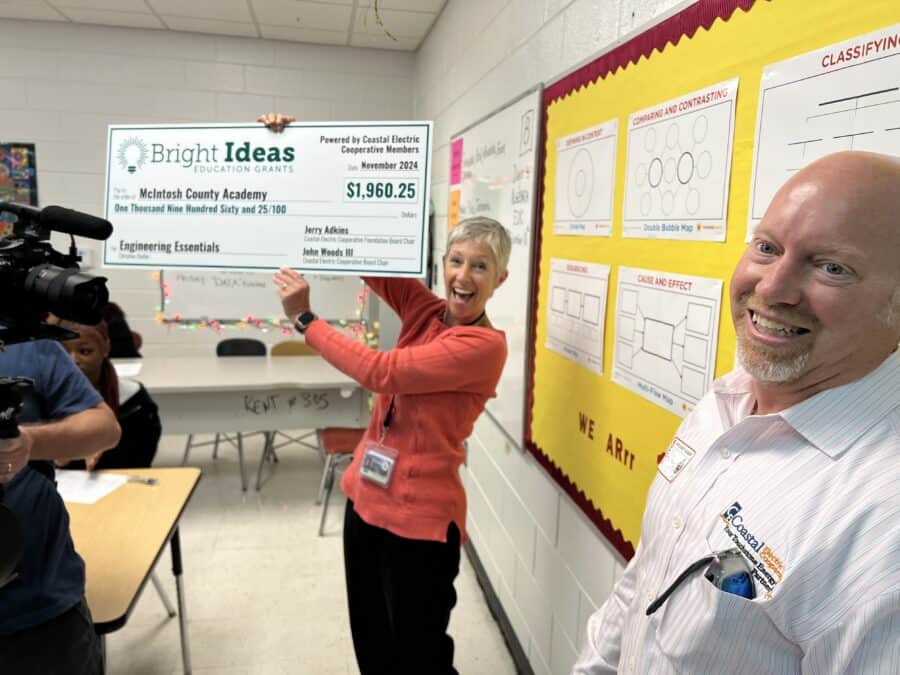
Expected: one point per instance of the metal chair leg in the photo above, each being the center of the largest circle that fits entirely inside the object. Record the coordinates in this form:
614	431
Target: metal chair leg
240	446
170	608
267	450
328	479
187	449
329	462
216	447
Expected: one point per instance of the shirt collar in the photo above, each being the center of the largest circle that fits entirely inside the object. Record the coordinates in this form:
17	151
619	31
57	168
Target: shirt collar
834	419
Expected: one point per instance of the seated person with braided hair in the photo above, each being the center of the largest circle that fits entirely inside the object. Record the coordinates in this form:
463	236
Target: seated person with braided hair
135	410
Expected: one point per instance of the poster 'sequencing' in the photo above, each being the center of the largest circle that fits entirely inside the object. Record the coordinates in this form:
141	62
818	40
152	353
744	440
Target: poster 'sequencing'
576	315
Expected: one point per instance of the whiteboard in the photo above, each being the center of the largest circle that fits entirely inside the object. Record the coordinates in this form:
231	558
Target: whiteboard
195	295
493	173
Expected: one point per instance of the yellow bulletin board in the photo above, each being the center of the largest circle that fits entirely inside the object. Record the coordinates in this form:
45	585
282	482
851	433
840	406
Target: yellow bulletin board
602	441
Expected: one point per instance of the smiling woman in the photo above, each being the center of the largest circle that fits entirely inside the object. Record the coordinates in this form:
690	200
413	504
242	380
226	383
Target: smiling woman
406	508
474	266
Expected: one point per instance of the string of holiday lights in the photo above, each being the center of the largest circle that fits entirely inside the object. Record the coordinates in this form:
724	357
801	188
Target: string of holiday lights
357	327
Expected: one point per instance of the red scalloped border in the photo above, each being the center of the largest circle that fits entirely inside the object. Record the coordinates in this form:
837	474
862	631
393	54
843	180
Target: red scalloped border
702	13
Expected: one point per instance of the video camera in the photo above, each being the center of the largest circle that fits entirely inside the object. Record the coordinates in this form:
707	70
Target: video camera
36	279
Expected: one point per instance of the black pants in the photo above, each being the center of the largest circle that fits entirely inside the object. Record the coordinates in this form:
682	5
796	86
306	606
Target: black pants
66	645
400	593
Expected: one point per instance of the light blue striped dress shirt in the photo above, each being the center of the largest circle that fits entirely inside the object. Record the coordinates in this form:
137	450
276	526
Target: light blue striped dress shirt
811	496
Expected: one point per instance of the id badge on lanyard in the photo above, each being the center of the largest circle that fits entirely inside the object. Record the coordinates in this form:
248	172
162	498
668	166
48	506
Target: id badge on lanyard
379	459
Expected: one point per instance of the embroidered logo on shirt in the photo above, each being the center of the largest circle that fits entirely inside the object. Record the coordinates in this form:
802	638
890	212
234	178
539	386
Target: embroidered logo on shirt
766	567
677	457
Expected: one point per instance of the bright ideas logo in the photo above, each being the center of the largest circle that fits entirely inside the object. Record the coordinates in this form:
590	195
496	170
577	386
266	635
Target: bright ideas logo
132	154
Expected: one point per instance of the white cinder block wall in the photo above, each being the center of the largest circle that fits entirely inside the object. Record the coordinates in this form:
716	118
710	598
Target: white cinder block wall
64	83
546	562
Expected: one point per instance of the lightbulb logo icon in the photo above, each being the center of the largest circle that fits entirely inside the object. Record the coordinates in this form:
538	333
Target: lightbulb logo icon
132	154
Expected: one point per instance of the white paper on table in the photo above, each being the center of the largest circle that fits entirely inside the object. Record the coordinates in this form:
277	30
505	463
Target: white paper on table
86	487
128	368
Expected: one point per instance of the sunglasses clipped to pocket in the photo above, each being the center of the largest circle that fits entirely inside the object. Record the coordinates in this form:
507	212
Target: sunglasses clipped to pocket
726	570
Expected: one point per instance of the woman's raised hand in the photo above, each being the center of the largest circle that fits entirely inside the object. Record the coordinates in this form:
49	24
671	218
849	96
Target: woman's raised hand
293	290
276	121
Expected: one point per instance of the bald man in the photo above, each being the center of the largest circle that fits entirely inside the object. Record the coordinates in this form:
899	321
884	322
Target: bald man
771	538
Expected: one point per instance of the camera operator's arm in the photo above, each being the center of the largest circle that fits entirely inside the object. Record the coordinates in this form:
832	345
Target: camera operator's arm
75	436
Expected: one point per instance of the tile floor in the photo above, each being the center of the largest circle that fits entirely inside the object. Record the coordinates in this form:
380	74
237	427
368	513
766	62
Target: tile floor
265	594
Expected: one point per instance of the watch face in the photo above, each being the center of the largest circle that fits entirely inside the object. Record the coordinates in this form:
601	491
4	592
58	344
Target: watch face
304	320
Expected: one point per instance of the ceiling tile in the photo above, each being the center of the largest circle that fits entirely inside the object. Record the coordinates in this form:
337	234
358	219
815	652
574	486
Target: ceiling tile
299	14
212	26
434	6
112	5
35	9
313	21
266	10
396	22
257	4
322	37
222	10
378	40
108	18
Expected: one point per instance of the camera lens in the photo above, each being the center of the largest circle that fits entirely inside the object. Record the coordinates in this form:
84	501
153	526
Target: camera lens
68	293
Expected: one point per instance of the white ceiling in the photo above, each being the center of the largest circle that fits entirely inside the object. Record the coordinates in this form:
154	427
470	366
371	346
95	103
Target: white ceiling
335	22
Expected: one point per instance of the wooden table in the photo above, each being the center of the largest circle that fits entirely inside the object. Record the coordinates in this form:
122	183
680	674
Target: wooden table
122	536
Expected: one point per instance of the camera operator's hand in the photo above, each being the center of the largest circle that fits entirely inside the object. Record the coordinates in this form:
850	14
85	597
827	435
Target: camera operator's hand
276	121
293	290
14	454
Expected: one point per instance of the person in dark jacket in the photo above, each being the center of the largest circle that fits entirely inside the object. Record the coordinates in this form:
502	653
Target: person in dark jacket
135	410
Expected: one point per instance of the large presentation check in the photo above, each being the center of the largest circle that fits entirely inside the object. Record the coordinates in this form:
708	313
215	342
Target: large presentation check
335	198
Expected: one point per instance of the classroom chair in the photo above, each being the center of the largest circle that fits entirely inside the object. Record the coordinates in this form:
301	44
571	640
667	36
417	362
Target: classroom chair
338	444
286	348
231	347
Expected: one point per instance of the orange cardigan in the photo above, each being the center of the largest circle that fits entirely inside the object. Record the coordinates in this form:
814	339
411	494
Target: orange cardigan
440	378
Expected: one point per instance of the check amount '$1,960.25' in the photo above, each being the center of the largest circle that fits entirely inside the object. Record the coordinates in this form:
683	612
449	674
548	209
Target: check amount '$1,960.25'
389	190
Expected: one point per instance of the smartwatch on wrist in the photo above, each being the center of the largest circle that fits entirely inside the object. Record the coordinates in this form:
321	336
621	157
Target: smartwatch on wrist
303	321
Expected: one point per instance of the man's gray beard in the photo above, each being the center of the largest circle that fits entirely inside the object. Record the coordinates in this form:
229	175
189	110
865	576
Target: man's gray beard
776	372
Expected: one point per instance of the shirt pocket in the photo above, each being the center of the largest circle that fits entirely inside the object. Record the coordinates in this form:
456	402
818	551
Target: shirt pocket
703	629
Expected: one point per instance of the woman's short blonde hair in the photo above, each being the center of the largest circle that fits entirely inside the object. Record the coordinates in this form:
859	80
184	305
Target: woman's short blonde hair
487	231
